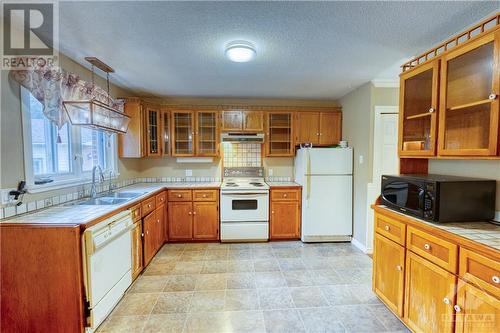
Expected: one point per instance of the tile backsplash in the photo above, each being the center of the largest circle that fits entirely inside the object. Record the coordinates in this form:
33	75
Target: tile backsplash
242	155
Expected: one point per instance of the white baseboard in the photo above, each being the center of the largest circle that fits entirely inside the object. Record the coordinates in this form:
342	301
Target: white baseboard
361	246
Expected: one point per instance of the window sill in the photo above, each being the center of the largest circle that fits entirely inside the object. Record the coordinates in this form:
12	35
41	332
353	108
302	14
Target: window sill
61	184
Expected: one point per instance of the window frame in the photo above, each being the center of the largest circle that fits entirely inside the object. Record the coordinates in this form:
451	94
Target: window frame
76	176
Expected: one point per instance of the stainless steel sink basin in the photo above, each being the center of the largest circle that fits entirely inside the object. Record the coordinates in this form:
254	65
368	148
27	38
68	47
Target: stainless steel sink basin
129	195
104	201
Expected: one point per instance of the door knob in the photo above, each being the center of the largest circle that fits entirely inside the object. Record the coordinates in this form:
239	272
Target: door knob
495	279
446	300
431	110
457	308
387	228
427	246
492	96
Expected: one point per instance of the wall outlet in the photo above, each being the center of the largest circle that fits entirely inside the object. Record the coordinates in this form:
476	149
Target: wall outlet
189	173
361	159
270	172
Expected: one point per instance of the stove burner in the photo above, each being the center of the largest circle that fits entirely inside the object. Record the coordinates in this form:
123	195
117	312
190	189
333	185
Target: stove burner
256	184
231	184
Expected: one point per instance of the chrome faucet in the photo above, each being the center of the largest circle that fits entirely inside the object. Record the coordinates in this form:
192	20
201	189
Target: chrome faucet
93	190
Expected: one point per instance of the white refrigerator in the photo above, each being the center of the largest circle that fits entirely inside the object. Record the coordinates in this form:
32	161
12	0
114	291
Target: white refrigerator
326	178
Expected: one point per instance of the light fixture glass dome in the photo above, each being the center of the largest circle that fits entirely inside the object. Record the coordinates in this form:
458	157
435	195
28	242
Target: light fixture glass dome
240	51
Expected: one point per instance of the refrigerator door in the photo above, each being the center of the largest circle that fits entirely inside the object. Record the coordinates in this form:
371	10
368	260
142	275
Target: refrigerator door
327	209
329	161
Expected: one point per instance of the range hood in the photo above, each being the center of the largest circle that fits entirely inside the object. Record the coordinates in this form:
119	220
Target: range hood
243	137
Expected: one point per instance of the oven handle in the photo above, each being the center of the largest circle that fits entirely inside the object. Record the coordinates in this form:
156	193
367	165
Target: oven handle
242	194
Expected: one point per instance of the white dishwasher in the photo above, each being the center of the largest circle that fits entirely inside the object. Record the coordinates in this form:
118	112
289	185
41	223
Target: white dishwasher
107	265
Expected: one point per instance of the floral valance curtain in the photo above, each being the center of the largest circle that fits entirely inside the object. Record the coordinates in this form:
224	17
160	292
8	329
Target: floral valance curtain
53	85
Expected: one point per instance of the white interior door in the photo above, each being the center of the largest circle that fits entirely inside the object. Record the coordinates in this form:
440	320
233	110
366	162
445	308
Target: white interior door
385	158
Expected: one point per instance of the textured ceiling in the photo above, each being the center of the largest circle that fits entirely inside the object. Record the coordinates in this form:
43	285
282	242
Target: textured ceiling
317	50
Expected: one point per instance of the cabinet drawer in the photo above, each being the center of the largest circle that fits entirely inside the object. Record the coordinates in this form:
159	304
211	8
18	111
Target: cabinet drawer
205	195
161	198
136	212
148	206
437	250
390	228
180	195
480	270
285	195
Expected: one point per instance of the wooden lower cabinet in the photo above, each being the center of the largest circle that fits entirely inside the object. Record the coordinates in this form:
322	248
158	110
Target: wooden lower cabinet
136	250
180	225
388	272
205	220
160	225
194	215
477	311
429	296
285	217
285	220
149	238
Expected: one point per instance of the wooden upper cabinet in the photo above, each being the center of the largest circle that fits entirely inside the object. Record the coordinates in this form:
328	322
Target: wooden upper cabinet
242	120
429	296
330	128
153	130
307	127
318	128
231	121
182	133
253	121
165	130
279	132
388	272
131	144
469	107
419	109
207	133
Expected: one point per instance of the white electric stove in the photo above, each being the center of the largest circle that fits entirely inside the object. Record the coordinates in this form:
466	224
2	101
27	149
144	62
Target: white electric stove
244	205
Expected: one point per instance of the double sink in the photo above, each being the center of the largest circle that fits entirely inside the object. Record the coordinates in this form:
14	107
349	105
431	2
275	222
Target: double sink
112	198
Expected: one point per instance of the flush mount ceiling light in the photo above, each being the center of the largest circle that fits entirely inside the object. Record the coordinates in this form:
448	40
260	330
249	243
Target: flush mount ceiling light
240	51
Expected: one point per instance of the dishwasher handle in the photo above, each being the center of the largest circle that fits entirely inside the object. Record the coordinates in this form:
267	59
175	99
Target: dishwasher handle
99	239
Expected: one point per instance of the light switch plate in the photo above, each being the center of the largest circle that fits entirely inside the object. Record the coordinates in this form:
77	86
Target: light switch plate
6	198
361	159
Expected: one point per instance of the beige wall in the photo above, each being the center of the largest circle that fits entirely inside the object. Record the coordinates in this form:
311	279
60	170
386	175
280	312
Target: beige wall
358	119
479	168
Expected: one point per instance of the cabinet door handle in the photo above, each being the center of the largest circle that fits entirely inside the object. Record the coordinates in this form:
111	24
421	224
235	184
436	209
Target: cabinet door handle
427	246
272	212
179	195
317	134
204	195
194	213
142	234
149	206
285	195
457	308
387	228
399	267
446	300
492	96
147	232
431	110
189	213
495	279
158	221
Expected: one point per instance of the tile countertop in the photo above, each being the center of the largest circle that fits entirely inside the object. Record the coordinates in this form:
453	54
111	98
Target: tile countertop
73	214
283	184
480	232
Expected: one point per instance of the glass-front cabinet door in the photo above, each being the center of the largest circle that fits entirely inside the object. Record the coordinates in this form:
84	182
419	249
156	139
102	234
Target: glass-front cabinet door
468	122
165	133
279	134
182	133
207	133
418	105
153	131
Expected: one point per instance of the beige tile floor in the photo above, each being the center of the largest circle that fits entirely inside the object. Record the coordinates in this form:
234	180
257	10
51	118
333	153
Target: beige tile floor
262	287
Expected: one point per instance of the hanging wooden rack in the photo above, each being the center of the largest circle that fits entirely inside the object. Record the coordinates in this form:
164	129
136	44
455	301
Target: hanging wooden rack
475	31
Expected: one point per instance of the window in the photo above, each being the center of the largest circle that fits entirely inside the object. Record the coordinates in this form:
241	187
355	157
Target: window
62	156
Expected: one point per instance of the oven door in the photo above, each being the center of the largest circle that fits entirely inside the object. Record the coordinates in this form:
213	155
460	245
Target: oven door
244	207
404	195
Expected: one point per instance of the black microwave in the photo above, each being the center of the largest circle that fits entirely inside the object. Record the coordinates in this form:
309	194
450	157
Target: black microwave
439	198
